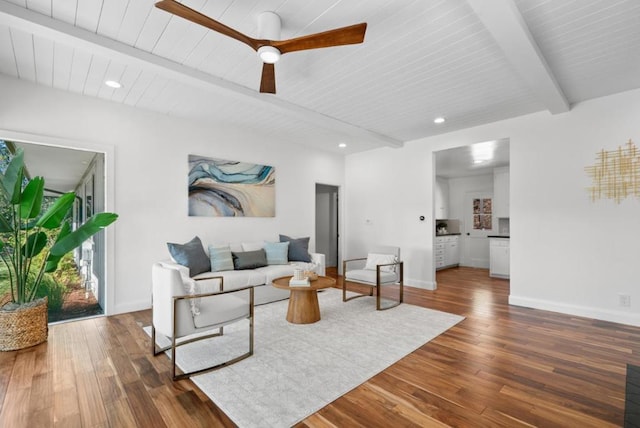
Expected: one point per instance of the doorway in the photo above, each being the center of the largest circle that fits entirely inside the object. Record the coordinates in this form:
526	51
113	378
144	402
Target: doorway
78	288
327	224
465	177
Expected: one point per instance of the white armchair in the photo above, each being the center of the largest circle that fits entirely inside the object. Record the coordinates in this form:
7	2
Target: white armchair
177	314
382	267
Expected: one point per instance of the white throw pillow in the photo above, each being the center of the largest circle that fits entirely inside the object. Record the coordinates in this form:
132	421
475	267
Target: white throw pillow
374	259
252	246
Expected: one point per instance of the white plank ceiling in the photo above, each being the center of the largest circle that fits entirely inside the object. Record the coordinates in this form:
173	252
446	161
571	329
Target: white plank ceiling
472	61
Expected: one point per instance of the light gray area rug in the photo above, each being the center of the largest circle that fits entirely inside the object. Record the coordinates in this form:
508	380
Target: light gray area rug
298	369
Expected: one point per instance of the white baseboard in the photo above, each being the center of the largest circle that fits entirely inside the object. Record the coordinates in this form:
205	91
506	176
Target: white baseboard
139	305
426	285
621	317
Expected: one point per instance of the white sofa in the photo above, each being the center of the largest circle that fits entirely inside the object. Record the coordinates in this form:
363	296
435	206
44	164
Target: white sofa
260	278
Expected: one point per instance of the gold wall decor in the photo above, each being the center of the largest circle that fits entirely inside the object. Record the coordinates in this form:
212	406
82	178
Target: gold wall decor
616	174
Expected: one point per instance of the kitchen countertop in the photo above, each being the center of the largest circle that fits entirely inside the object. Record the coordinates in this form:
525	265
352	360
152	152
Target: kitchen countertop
447	234
498	236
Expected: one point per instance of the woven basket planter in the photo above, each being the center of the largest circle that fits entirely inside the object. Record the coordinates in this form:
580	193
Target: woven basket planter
24	327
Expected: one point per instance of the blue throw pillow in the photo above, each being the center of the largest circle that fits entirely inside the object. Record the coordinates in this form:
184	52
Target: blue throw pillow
277	252
298	248
249	259
220	258
191	255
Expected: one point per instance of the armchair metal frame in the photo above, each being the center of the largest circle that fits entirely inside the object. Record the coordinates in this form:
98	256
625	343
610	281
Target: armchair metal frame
219	327
377	285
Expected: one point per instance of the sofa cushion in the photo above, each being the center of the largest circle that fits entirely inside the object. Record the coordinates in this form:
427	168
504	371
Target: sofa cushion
298	248
369	276
205	282
249	259
277	253
208	282
191	255
218	309
241	278
220	258
272	272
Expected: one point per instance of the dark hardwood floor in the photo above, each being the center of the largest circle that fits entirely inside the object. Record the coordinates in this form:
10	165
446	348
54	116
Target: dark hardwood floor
501	366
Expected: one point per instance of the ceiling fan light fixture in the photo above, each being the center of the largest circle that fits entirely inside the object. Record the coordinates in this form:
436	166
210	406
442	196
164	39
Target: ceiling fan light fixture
269	54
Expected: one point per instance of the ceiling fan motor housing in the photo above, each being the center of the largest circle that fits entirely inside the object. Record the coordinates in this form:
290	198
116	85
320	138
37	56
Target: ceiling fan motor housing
269	27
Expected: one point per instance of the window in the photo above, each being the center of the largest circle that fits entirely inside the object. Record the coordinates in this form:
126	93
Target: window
482	214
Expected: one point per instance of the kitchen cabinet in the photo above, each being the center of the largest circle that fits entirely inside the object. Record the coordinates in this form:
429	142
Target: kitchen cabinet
501	192
499	257
447	251
441	198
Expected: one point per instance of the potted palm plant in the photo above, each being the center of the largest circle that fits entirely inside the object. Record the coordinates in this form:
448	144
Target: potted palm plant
32	243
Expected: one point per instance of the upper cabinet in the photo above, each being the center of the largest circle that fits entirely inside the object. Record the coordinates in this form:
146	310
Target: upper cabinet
441	198
501	192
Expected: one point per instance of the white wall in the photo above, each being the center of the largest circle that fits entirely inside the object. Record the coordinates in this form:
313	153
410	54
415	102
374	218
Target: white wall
384	199
147	154
568	254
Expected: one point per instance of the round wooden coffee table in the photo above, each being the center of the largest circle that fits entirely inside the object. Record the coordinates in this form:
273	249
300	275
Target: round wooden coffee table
303	301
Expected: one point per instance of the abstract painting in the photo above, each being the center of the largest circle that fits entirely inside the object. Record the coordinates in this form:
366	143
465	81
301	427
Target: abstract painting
225	188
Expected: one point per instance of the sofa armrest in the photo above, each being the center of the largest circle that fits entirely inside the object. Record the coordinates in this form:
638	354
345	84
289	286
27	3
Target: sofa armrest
319	260
167	282
184	271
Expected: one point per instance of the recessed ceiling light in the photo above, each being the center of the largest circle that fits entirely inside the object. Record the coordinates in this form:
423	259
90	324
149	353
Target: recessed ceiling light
439	120
342	145
113	84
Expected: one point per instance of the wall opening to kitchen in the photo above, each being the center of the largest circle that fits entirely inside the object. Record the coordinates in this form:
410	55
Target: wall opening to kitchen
471	205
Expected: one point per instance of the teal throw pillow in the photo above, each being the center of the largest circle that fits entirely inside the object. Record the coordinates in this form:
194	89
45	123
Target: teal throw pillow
220	258
277	253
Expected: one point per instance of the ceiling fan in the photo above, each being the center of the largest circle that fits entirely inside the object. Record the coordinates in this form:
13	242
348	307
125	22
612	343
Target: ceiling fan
270	49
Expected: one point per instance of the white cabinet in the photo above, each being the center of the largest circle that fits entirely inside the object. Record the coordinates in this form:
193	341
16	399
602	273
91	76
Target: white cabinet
447	251
499	257
501	192
452	252
439	249
441	198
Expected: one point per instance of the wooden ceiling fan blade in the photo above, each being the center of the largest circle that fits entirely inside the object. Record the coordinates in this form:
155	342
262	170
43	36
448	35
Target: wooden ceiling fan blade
350	35
187	13
268	81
